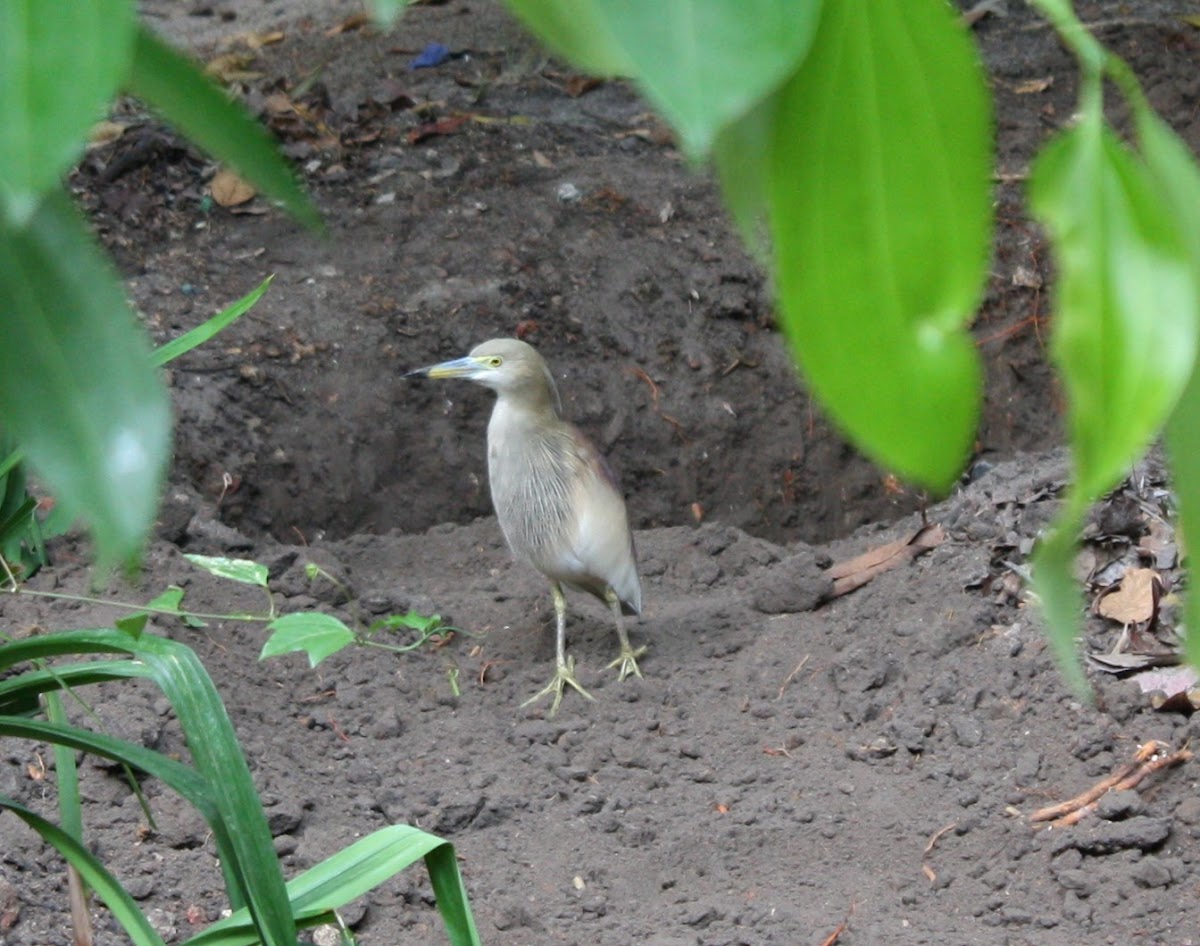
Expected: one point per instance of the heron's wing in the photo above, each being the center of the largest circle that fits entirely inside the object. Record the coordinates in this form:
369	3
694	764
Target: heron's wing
603	541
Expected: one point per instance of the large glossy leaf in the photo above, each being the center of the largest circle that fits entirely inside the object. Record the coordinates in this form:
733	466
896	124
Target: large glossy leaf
707	62
175	86
704	63
60	64
880	218
578	30
77	389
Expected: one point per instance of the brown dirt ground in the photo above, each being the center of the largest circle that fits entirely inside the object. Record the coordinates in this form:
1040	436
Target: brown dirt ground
788	759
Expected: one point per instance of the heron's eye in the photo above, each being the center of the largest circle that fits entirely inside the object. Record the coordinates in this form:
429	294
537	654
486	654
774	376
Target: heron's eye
495	361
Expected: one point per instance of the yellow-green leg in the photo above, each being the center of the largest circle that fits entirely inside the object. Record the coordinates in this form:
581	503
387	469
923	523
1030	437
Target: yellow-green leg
627	660
564	666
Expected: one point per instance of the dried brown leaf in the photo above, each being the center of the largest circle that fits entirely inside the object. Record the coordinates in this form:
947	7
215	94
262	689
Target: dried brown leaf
580	85
353	22
232	67
229	190
1033	86
104	133
1136	599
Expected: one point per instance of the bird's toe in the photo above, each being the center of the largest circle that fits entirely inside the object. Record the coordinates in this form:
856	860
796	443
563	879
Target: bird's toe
564	675
626	662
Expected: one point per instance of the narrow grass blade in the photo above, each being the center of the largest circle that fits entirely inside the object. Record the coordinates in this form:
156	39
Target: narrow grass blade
174	85
70	816
218	758
93	872
251	867
208	329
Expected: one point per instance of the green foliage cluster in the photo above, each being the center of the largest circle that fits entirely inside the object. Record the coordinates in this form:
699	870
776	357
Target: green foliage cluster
81	400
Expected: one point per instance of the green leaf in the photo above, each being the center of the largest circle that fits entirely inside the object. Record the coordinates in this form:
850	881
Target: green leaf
1126	323
106	886
244	844
174	85
1062	600
208	329
1127	299
77	390
704	63
318	635
235	569
250	864
171	599
708	62
132	624
1177	178
60	65
578	30
742	158
880	197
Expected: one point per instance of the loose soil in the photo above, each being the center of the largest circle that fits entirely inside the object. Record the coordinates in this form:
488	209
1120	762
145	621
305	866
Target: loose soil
791	760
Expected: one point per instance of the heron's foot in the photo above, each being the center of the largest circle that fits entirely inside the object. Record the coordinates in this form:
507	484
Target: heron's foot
564	675
627	662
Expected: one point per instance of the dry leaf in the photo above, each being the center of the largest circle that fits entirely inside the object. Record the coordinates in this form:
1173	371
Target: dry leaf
231	67
352	22
443	126
1033	86
229	190
856	572
1135	600
104	133
581	85
259	40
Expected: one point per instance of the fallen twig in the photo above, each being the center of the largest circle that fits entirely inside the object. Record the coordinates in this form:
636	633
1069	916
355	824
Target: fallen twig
1150	758
791	676
839	929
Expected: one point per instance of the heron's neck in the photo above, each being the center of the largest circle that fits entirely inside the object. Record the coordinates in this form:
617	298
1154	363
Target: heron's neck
528	407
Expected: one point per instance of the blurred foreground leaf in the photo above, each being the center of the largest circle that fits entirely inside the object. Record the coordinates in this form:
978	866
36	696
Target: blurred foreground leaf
1125	336
77	389
880	203
60	65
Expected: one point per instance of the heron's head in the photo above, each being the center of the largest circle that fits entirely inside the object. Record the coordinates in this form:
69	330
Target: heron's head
509	367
